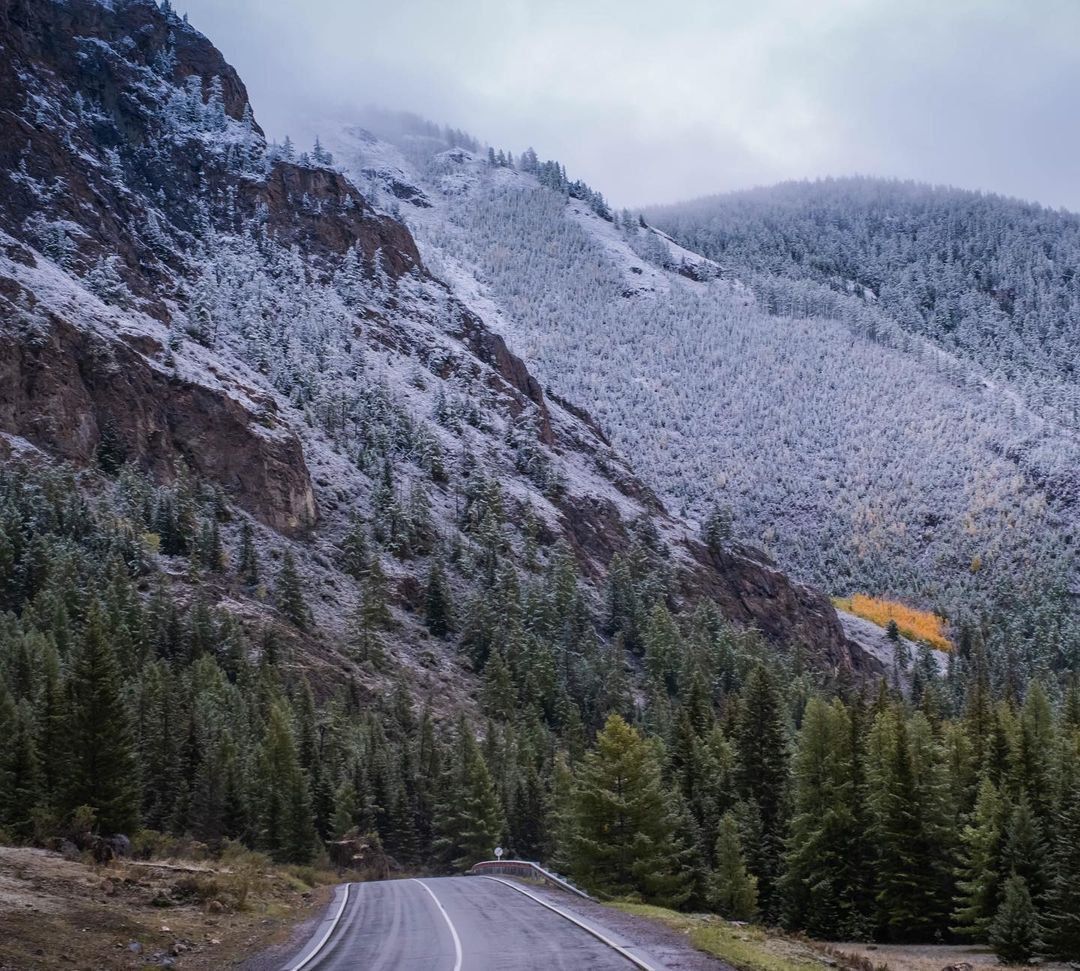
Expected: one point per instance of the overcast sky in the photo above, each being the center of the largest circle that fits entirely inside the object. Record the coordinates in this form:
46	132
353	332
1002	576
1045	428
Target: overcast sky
654	101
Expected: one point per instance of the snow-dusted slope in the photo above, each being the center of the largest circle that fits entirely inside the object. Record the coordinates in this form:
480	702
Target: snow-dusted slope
241	327
859	464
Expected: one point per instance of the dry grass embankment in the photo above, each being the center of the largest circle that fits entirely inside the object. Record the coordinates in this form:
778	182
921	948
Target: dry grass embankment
198	914
746	947
750	947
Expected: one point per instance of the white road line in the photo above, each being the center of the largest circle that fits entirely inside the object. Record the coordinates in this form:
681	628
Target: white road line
633	958
333	926
449	923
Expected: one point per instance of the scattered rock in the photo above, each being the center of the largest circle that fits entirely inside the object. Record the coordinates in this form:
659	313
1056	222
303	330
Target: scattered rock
68	850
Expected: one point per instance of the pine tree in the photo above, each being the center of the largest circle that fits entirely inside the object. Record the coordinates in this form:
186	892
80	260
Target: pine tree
1063	895
52	738
528	816
622	839
365	642
717	528
286	829
209	792
345	810
428	771
247	561
897	833
469	819
289	594
376	612
157	744
438	607
822	884
210	554
734	889
498	695
663	648
354	549
761	778
103	768
1033	770
980	875
21	776
1024	850
1014	931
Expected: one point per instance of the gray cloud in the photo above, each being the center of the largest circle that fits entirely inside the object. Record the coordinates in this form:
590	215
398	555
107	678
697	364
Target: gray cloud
657	102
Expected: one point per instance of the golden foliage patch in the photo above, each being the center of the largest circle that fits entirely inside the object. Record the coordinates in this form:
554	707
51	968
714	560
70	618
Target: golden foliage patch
916	625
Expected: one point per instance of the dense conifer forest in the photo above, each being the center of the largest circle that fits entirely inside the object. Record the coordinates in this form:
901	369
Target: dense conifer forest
728	777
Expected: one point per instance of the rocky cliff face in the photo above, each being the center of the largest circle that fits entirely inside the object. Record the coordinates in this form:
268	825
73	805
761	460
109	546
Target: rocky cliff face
68	385
176	289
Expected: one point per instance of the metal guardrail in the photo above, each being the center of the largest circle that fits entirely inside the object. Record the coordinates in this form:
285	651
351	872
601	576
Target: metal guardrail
528	869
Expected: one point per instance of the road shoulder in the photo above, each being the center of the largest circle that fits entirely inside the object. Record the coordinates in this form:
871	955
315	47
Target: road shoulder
666	947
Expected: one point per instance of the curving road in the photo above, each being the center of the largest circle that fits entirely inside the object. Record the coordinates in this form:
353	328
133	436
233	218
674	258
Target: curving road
456	924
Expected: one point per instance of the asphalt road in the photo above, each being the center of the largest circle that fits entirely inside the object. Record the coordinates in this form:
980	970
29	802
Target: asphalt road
452	924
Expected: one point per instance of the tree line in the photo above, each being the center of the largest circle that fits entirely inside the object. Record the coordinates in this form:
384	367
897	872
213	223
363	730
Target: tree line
645	752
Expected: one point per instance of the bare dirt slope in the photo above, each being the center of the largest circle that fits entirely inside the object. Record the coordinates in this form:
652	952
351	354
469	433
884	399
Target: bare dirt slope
59	913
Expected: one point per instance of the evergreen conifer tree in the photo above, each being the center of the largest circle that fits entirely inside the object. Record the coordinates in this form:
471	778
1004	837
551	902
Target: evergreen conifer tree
103	768
438	606
1024	850
22	775
822	886
354	549
289	594
499	697
247	562
1014	931
734	889
623	834
286	826
1063	895
897	832
761	778
469	818
980	874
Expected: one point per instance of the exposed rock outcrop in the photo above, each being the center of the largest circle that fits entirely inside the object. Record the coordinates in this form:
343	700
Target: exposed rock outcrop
62	387
324	214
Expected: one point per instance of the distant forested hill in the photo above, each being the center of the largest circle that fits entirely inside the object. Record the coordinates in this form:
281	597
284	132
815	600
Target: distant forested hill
992	279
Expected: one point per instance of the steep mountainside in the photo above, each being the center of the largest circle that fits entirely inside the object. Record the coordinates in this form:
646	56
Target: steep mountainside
180	300
861	455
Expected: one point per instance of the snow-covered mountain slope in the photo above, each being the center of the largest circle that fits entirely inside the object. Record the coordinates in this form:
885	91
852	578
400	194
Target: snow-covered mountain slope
859	457
179	296
991	279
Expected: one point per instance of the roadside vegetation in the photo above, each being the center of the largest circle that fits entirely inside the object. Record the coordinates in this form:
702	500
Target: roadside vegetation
744	946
